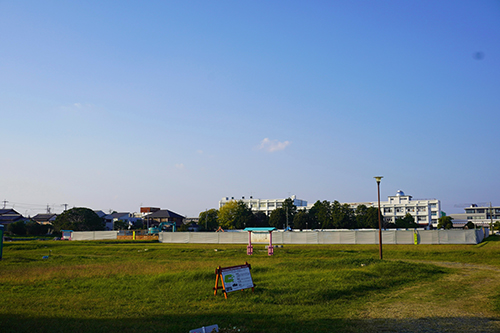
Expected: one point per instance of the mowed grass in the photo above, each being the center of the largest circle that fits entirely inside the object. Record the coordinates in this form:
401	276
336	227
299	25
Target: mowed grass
113	286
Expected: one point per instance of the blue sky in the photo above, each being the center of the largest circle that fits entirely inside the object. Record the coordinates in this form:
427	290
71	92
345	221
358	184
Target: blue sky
176	104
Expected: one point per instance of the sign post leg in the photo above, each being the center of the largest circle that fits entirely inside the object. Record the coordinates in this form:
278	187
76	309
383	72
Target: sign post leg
249	247
270	249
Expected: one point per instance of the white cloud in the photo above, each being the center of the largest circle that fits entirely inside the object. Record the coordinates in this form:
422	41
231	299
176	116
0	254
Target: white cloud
78	107
180	166
273	145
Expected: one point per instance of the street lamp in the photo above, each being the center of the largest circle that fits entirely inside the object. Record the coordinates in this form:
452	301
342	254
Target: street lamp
378	179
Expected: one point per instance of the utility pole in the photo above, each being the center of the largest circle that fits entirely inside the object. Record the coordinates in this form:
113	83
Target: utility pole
48	209
491	220
65	206
4	203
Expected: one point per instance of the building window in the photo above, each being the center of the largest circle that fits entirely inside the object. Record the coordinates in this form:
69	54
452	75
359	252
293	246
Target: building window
470	211
433	205
279	204
387	210
399	209
421	209
421	218
433	213
271	204
480	211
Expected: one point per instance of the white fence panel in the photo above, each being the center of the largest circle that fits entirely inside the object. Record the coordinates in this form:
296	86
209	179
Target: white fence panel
82	235
312	237
429	237
233	237
347	237
367	237
329	237
388	237
174	237
278	238
204	237
405	237
105	235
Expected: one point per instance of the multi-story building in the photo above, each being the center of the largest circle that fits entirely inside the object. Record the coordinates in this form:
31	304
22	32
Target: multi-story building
481	216
265	205
424	211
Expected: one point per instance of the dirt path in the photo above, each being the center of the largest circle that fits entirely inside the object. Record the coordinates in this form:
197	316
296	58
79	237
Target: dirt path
459	302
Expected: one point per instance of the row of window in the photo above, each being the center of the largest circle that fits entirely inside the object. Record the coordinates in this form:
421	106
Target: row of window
481	210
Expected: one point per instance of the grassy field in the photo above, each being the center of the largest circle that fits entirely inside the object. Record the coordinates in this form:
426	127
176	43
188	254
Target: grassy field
110	286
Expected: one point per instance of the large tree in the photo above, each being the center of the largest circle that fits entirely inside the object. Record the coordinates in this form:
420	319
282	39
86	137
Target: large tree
235	215
278	218
445	222
208	220
302	220
406	222
342	216
260	220
290	210
78	219
320	214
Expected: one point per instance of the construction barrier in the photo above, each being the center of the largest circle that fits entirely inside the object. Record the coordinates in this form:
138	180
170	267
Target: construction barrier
332	237
391	236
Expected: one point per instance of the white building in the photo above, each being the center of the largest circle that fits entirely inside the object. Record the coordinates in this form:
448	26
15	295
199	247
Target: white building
424	211
481	216
265	205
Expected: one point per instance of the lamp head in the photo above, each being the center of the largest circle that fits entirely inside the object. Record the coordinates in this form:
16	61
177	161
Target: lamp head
378	178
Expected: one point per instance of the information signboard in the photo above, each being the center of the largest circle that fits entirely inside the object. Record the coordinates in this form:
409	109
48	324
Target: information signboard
233	278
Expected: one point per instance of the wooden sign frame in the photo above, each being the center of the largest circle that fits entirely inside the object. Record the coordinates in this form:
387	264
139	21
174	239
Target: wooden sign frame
233	278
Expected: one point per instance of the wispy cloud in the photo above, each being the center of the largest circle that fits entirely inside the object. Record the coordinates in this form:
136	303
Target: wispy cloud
78	108
273	145
180	166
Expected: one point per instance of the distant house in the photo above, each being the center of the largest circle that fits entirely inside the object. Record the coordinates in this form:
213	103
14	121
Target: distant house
128	218
164	215
44	218
8	216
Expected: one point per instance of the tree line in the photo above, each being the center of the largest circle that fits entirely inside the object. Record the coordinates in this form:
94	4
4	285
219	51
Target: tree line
322	215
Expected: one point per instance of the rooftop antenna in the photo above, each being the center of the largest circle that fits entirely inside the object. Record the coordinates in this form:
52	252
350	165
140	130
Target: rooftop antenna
65	206
4	203
48	209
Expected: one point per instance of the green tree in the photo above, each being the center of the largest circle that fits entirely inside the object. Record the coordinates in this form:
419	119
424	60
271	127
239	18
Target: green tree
290	210
208	220
496	225
227	214
36	229
320	214
445	222
278	218
260	219
244	216
78	219
342	216
406	222
235	215
302	220
120	225
17	228
471	225
367	217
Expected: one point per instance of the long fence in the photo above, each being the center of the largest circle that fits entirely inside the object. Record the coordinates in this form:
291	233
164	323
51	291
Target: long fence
332	237
309	237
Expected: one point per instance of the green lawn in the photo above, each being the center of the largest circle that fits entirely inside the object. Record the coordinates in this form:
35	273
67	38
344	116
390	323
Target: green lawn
109	286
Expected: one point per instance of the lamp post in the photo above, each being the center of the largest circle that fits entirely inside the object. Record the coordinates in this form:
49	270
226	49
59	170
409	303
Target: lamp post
378	179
